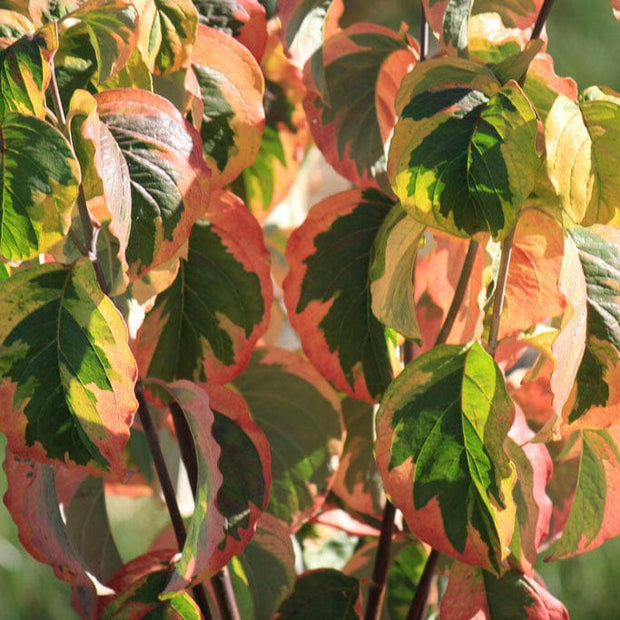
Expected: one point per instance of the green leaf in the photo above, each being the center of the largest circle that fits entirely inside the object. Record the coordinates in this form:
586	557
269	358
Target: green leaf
463	158
327	292
67	372
324	593
169	179
515	66
205	325
583	159
39	185
112	26
300	415
440	433
25	73
391	272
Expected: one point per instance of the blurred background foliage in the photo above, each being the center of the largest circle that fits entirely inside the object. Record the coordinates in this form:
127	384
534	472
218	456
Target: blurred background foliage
584	40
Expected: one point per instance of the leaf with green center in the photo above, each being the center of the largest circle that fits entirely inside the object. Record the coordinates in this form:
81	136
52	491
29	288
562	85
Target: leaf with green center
230	90
583	159
364	65
593	517
473	592
167	33
207	526
169	179
67	372
39	185
25	73
300	415
440	433
463	157
520	14
324	593
33	505
112	27
391	272
491	42
327	292
449	20
206	324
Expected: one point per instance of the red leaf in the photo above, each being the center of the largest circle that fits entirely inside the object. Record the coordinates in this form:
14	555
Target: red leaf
615	5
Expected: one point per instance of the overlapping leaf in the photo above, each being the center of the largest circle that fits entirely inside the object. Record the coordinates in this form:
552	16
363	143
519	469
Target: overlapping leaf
169	179
230	87
68	375
327	292
38	186
14	25
300	415
463	157
32	502
440	433
583	160
449	20
518	13
205	325
364	66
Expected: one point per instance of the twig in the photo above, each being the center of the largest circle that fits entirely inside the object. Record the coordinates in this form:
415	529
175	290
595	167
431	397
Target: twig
417	610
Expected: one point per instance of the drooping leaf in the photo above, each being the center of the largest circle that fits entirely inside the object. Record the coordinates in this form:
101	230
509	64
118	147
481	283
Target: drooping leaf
169	179
449	20
532	289
518	13
231	88
300	415
25	73
38	186
582	155
32	502
364	66
205	325
167	33
327	292
473	592
89	529
463	157
324	593
67	372
207	525
440	432
391	272
112	26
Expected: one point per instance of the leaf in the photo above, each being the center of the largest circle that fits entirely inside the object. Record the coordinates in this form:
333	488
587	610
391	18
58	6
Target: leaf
490	41
39	185
89	529
449	20
440	433
25	73
14	25
364	65
391	272
300	415
593	518
112	27
31	500
323	593
231	88
68	375
327	292
532	289
169	180
463	157
615	5
206	324
521	14
583	158
207	525
473	592
167	33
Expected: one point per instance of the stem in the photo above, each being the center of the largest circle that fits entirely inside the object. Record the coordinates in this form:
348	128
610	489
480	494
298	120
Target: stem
424	35
222	586
417	610
541	19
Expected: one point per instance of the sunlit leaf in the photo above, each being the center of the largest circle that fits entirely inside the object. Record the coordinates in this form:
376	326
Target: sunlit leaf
473	592
615	5
583	160
449	20
32	503
300	415
364	66
205	325
68	375
491	41
518	13
440	432
463	157
169	179
14	25
327	292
